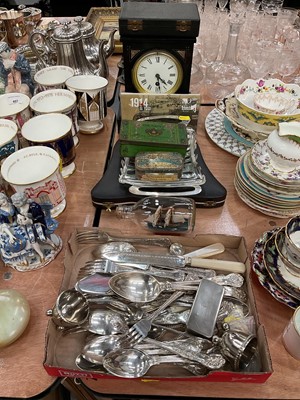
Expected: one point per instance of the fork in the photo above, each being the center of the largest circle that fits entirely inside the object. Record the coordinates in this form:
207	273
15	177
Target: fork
98	236
140	329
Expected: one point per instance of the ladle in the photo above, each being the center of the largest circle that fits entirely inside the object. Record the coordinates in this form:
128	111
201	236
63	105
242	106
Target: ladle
142	288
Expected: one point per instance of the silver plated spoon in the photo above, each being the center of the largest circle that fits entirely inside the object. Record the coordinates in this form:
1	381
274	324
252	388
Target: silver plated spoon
141	287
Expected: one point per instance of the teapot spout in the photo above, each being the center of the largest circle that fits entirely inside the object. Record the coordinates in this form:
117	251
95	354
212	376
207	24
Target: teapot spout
102	70
109	47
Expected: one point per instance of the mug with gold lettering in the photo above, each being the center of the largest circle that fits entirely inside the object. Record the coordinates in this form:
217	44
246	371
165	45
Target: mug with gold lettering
55	131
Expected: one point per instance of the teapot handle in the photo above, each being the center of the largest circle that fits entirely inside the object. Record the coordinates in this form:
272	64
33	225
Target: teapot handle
41	51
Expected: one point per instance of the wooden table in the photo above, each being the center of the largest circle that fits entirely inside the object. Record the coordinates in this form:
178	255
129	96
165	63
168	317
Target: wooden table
21	364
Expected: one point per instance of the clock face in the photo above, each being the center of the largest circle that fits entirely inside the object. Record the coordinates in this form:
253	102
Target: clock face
157	72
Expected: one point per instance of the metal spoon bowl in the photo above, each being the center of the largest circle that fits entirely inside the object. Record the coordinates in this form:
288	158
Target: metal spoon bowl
142	287
95	350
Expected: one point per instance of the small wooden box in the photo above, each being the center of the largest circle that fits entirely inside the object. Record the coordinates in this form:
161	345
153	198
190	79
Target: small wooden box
141	136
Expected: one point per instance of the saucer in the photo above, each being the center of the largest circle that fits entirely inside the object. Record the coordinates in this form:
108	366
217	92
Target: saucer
262	273
222	134
289	283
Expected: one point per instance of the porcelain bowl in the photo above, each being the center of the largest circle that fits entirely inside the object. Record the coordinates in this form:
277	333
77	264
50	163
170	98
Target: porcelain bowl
280	104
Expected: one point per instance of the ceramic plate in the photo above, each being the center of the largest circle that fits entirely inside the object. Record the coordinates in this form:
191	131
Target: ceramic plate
277	271
265	208
263	276
228	140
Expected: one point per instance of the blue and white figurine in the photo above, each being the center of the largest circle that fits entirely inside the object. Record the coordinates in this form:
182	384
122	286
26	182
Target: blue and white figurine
27	239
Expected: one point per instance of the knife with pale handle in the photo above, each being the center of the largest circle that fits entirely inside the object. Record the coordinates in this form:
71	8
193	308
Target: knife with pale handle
159	260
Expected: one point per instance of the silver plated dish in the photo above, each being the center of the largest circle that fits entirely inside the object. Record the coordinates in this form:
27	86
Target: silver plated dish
191	180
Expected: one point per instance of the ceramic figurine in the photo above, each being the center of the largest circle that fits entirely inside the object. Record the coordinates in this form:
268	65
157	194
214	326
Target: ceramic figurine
27	239
15	71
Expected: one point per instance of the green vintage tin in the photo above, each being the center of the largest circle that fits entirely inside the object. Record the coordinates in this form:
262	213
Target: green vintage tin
142	136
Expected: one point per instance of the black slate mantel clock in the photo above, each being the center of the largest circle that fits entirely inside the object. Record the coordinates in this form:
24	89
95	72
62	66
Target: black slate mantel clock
158	42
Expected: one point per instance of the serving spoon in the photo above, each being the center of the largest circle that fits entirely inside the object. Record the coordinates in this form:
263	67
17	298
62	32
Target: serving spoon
141	287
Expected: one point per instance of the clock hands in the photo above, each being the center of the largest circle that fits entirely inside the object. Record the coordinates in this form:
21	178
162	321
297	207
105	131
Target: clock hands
157	76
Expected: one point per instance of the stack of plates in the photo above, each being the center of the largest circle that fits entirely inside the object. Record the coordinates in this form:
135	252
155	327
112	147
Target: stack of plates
264	188
271	271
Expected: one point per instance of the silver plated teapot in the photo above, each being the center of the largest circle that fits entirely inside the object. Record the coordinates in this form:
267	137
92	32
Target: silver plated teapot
63	44
91	43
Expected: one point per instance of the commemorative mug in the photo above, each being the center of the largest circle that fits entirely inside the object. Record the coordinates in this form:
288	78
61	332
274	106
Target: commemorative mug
8	138
15	107
57	101
53	130
35	171
53	77
90	92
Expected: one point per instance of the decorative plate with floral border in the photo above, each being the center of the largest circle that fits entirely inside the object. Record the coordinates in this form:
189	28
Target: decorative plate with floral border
258	266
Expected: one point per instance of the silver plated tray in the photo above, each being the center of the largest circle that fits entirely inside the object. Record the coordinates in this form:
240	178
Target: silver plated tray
190	182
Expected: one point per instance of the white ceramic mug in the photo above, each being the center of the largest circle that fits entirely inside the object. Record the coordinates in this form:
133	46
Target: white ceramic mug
53	77
8	138
57	101
15	107
55	131
35	171
90	91
291	335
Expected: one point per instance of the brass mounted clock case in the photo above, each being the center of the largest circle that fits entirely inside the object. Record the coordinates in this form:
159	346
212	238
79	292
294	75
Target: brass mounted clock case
158	41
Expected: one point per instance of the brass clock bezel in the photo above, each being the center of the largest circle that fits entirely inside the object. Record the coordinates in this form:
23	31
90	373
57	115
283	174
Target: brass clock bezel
151	52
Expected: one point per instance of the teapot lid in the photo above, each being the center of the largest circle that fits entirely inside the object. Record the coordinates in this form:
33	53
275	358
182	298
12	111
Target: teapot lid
85	27
67	32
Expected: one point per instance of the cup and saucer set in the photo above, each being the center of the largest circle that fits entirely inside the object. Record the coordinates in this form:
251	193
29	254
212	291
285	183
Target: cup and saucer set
251	113
276	262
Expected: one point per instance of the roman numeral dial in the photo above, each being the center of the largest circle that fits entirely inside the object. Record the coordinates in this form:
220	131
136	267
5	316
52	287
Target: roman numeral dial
157	72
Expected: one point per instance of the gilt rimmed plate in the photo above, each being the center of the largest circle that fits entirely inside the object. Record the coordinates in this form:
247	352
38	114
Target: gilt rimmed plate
227	140
263	276
289	283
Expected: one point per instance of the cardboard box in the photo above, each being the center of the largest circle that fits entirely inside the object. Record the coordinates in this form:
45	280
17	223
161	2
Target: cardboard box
62	350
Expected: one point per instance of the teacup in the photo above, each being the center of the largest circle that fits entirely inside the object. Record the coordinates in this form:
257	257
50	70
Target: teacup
35	171
90	91
292	240
15	107
53	130
280	243
57	101
53	77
